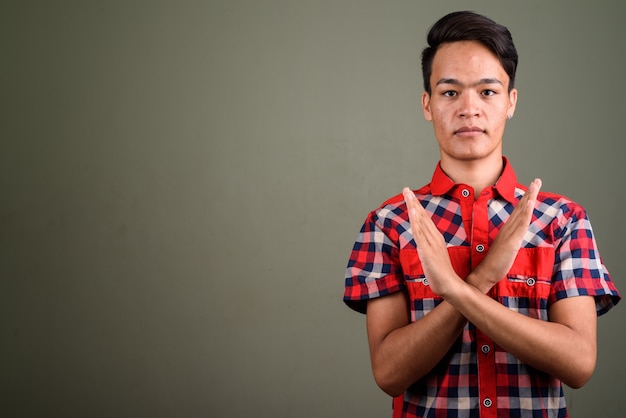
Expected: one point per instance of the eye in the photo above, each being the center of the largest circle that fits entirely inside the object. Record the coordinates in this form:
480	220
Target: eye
488	92
449	93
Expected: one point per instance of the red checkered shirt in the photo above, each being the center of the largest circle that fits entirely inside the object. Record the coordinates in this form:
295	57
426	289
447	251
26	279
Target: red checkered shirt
558	259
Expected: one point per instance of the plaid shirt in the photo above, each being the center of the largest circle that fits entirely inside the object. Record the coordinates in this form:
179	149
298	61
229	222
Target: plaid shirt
558	259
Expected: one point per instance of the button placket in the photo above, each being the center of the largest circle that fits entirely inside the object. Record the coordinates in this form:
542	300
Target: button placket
479	227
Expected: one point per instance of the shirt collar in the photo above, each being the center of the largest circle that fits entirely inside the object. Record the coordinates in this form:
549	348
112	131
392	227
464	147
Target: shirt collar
505	186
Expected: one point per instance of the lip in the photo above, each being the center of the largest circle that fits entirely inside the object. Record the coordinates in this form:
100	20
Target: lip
469	131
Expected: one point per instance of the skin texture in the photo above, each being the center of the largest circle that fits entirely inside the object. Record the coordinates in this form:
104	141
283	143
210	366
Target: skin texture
469	92
468	108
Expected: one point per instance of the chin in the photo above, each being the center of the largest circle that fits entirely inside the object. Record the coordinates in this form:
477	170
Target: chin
470	155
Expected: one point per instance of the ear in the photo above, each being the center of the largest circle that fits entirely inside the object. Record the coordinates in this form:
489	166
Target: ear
428	115
512	102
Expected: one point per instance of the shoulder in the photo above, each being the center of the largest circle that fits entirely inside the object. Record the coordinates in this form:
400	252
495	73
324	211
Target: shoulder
395	206
554	204
398	200
564	206
393	201
562	215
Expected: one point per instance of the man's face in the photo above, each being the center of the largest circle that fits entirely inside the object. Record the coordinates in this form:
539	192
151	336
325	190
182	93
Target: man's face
469	103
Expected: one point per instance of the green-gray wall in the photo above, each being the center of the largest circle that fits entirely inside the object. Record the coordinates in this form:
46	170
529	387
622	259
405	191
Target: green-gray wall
181	183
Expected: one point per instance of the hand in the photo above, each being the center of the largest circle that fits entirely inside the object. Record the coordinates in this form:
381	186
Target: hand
499	260
502	253
431	246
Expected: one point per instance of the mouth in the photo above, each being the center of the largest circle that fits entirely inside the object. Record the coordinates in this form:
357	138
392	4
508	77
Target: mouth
469	131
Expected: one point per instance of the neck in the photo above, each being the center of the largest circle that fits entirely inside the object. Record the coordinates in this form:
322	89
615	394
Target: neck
477	174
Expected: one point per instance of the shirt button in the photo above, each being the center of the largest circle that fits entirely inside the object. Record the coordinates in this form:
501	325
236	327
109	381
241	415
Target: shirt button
465	193
480	248
487	403
530	281
425	281
485	349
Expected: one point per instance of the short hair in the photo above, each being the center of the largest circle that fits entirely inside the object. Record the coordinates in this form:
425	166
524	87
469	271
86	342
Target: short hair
470	26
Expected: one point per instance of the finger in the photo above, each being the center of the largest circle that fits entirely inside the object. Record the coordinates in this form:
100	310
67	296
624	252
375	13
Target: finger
526	204
420	222
425	233
408	195
520	218
416	212
411	201
413	208
530	194
529	200
533	189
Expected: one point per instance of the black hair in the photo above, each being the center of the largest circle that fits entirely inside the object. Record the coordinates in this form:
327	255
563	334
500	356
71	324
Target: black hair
470	26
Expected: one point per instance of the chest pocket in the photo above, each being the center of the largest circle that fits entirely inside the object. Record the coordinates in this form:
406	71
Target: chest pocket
528	285
422	298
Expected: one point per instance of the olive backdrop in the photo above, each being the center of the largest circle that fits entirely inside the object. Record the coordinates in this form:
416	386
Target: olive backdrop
181	183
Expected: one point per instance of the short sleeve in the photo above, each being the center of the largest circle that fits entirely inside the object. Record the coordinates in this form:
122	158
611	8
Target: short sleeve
578	267
374	267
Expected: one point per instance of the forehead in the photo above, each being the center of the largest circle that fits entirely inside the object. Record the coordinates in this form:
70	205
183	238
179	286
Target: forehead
466	60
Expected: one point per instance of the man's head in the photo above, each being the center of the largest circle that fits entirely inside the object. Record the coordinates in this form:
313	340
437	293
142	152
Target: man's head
470	26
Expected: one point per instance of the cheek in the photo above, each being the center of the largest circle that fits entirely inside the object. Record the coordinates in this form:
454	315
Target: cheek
502	110
440	119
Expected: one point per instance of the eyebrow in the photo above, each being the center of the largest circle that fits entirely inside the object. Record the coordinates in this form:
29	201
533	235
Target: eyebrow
477	83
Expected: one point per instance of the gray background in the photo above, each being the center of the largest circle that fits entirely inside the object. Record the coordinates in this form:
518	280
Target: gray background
181	184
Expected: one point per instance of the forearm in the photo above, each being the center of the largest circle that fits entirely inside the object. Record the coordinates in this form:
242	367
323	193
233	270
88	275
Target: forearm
408	353
563	351
565	347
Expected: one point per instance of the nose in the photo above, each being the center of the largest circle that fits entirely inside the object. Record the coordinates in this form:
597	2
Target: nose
469	105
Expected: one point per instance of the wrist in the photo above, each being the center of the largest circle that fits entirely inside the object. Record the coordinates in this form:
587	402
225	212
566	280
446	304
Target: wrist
480	281
458	294
450	288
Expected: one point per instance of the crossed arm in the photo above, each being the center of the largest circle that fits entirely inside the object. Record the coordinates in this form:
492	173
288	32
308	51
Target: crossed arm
402	352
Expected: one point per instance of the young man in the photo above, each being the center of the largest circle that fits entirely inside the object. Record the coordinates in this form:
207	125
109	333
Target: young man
481	295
